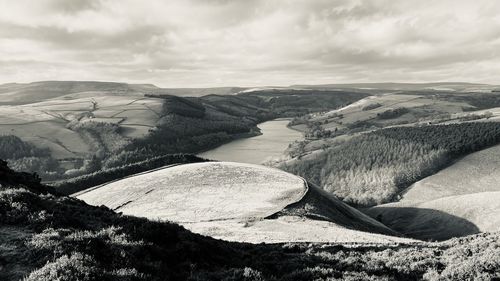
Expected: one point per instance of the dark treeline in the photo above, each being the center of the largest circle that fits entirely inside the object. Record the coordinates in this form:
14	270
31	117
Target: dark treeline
109	174
12	147
392	113
373	168
459	138
24	156
50	237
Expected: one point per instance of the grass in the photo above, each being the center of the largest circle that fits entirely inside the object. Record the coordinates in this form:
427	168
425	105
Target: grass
240	202
459	200
476	172
442	218
201	192
47	237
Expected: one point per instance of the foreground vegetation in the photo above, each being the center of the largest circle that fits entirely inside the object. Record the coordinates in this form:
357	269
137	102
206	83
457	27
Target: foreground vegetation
372	168
47	237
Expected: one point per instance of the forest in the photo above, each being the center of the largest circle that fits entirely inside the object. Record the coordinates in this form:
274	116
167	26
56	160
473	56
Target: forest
372	168
24	156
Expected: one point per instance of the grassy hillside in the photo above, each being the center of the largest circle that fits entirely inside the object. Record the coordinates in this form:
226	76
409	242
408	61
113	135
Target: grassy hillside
459	200
47	237
476	172
209	191
442	218
239	202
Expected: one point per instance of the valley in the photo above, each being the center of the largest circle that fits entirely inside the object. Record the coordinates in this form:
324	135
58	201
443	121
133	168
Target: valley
249	140
391	167
274	138
90	126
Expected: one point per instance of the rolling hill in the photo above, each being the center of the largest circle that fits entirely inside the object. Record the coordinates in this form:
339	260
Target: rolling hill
442	218
240	202
435	86
476	172
459	200
44	236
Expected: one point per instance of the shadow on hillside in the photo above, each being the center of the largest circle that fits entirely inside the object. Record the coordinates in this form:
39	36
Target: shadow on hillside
318	204
423	224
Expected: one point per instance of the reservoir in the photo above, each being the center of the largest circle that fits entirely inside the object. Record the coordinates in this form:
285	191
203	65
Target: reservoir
275	138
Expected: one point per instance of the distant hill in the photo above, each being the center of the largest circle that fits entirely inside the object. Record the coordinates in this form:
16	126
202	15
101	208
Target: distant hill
198	92
17	93
438	86
240	202
26	93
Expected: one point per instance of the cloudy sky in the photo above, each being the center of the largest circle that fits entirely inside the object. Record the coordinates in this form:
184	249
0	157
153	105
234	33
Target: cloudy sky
200	43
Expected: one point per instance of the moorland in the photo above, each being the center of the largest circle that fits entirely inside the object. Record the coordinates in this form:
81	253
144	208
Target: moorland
391	182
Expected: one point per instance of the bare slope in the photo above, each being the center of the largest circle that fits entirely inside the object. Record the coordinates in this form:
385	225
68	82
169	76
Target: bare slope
201	192
459	200
477	172
443	218
240	202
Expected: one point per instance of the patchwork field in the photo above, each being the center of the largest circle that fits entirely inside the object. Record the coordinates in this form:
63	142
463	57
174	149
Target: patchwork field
239	202
372	108
46	124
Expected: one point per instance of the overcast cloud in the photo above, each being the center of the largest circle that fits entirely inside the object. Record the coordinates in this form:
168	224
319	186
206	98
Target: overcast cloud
182	43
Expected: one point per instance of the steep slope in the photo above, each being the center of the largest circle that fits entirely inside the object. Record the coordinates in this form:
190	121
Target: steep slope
460	200
240	202
443	218
477	172
318	204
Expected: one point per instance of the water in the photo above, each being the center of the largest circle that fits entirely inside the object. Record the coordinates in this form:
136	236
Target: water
275	138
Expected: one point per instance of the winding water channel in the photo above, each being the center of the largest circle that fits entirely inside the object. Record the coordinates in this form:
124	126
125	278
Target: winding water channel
275	138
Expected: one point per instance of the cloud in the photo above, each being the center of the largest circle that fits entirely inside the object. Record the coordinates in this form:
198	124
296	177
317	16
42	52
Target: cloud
190	43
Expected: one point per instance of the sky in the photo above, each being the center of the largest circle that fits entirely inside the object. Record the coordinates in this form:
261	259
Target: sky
210	43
